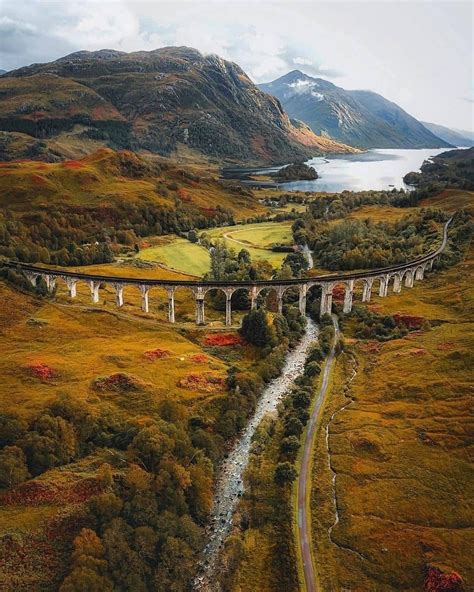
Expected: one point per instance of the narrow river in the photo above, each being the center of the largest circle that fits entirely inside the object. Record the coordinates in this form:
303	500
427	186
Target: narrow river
230	484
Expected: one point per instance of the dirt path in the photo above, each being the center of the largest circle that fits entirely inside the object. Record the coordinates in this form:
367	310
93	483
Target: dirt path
304	479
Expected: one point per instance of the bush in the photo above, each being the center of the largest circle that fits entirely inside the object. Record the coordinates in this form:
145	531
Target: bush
285	473
13	469
255	328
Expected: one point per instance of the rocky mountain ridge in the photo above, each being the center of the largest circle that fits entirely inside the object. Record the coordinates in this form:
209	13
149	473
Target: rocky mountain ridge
359	118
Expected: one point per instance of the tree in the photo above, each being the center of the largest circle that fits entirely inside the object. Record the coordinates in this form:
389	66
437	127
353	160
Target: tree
285	473
297	263
105	507
293	426
290	445
150	445
176	567
312	369
13	469
255	328
11	429
192	236
51	442
89	568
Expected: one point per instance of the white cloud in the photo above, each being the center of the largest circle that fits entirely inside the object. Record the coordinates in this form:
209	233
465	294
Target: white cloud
375	45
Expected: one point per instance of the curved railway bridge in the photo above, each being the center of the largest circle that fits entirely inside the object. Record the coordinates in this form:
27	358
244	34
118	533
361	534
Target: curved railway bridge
406	272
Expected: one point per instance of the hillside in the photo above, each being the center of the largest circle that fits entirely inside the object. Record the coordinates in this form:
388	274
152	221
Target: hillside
454	137
454	168
157	101
359	118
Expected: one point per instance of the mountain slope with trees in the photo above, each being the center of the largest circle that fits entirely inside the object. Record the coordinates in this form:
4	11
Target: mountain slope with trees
157	101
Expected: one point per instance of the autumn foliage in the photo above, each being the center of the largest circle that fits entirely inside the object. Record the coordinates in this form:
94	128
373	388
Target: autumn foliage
157	354
41	371
202	382
410	321
223	339
439	581
119	382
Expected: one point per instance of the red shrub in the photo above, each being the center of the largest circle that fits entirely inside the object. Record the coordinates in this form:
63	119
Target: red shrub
119	382
437	581
73	164
39	493
157	354
199	358
39	181
41	371
338	293
409	321
183	194
202	382
221	339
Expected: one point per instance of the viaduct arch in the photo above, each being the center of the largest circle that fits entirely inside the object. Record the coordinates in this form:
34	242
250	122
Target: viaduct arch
405	273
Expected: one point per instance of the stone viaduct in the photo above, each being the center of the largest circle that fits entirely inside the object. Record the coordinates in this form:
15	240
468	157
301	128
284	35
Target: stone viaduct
398	274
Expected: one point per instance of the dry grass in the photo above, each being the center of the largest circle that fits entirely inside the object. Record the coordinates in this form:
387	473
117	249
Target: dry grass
401	449
95	181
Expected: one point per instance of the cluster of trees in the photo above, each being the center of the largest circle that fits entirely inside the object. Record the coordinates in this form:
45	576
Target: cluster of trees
295	410
371	325
228	265
451	169
146	523
362	244
338	205
84	236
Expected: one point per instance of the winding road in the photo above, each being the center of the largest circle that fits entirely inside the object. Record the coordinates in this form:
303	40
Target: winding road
304	478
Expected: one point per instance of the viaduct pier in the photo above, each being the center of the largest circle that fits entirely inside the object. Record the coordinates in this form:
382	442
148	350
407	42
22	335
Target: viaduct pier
394	276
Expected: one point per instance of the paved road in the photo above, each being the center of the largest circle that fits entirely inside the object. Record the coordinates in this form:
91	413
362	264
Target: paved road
304	478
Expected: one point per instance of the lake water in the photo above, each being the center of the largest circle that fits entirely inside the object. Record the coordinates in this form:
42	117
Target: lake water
375	169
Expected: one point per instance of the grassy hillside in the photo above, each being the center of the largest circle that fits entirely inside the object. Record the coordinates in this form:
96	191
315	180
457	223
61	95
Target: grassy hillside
399	442
49	350
108	178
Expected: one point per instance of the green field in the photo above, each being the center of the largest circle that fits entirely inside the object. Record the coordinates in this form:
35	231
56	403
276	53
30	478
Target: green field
258	236
182	255
179	254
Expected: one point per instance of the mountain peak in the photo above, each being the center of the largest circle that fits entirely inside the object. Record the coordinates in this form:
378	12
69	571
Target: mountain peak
359	118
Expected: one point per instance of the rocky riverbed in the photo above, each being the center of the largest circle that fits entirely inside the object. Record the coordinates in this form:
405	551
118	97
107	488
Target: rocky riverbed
230	483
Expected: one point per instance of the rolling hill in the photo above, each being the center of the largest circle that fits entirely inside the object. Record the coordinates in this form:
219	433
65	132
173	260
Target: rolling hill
158	101
359	118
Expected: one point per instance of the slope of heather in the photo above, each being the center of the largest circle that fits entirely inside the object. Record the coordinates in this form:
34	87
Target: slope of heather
110	179
157	101
399	447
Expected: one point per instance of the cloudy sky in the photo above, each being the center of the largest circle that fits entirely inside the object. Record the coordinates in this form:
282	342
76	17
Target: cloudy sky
418	54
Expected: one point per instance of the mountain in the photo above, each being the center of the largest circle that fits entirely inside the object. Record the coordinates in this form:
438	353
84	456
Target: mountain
359	118
159	101
454	137
2	71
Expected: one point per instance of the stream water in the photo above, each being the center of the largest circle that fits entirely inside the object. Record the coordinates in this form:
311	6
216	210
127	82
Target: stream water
230	483
374	169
